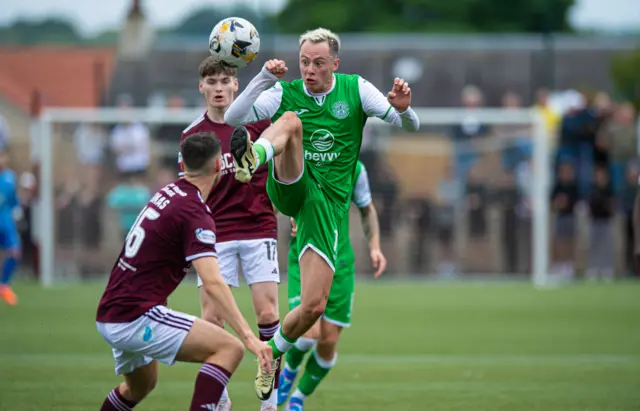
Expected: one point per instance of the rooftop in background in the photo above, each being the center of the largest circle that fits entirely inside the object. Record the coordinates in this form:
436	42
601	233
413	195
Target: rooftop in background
64	76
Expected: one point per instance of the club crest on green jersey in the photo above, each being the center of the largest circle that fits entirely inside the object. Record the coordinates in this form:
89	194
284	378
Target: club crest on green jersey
340	110
322	140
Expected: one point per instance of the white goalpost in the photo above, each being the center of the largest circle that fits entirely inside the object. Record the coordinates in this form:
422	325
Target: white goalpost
45	129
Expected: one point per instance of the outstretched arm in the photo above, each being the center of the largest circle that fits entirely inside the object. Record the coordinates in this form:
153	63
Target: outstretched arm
371	227
261	98
212	282
394	109
214	285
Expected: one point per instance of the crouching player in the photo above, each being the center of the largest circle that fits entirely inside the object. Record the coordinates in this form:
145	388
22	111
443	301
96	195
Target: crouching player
173	231
323	336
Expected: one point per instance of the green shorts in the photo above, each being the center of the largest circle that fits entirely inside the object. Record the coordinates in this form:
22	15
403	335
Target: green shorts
318	218
340	303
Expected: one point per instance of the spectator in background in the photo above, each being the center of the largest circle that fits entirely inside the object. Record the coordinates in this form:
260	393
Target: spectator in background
627	200
524	232
515	138
127	199
130	143
477	197
516	143
477	205
90	141
449	194
577	135
385	193
66	208
619	135
466	134
89	223
511	101
551	116
601	207
27	194
371	149
4	133
168	134
564	197
79	208
418	213
602	110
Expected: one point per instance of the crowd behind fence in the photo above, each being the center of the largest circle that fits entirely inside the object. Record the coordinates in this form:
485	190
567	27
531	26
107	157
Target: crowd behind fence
471	215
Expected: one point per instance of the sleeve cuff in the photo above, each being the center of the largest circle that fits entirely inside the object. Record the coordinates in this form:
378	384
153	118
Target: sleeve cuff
267	74
407	112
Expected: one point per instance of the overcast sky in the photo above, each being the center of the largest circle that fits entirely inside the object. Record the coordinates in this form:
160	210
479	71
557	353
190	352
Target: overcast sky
93	16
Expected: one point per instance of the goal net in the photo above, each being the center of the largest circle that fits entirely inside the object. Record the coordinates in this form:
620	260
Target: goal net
466	196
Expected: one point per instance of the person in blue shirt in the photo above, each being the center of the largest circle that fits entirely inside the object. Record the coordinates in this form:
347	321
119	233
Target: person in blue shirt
127	199
10	211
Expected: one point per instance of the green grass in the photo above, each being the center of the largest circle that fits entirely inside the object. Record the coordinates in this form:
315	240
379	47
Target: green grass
415	346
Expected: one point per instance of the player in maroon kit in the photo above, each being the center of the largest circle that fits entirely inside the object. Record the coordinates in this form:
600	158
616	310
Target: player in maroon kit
175	230
244	216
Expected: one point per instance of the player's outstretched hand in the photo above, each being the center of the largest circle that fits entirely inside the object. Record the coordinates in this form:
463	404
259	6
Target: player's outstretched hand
262	351
276	67
379	262
400	95
294	227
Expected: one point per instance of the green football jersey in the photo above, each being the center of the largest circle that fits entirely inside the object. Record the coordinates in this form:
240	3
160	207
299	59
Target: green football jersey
332	133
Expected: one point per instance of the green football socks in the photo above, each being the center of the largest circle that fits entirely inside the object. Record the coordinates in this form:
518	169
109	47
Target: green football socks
315	370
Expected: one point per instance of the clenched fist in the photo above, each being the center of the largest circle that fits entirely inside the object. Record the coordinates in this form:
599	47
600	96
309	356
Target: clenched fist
276	67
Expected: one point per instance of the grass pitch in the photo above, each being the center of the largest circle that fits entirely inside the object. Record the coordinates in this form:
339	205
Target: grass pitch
413	346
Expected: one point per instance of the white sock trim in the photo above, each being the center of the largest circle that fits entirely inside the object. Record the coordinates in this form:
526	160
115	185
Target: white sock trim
305	344
324	363
298	394
281	344
291	369
268	148
273	399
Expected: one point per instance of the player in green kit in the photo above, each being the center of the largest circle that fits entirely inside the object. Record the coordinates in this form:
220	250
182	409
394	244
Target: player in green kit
311	150
324	335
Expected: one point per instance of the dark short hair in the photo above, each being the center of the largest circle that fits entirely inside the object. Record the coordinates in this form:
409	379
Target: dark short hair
210	67
198	149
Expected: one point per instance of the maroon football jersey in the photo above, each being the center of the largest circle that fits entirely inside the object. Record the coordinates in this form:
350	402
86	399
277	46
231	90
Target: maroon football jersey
174	228
241	211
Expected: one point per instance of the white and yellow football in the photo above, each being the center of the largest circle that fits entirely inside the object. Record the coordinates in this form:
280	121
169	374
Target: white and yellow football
234	42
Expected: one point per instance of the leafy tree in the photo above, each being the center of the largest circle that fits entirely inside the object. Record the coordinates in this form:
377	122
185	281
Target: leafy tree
49	31
105	37
488	16
625	69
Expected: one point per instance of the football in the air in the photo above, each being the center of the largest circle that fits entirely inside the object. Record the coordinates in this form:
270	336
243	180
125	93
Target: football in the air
234	42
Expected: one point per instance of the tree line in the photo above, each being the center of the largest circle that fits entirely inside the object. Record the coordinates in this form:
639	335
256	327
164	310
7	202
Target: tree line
353	16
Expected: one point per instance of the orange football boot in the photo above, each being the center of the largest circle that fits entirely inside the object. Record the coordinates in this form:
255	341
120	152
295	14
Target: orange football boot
8	295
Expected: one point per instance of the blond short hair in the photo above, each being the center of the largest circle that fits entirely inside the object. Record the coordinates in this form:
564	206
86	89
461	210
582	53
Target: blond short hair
321	35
